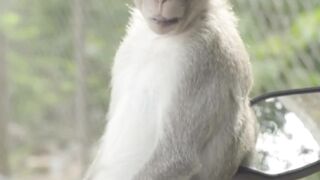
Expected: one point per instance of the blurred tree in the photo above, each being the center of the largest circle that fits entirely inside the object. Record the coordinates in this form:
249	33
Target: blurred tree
80	99
4	109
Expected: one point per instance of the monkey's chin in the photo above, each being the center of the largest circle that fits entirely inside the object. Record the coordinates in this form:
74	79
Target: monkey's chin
163	27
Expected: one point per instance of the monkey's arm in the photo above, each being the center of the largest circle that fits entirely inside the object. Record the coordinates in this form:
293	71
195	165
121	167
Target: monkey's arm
195	114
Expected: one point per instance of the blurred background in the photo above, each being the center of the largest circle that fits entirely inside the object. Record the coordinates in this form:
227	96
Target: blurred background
55	60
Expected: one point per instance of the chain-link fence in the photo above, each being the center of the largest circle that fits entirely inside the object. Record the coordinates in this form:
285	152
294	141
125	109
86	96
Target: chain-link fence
284	41
47	44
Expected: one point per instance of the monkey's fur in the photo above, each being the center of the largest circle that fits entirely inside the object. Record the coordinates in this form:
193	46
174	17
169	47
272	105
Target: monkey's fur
179	104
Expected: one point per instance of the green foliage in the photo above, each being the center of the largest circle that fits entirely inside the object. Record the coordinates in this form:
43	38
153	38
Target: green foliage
286	58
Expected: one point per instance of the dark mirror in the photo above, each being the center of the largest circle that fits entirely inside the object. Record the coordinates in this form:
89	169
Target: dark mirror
289	135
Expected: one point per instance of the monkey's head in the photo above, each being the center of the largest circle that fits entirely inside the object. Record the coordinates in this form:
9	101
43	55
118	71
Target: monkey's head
170	16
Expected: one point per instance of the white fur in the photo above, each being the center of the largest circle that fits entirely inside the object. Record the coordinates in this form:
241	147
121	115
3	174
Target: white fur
147	76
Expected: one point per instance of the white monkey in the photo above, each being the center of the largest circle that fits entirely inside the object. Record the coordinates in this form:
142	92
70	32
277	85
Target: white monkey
179	104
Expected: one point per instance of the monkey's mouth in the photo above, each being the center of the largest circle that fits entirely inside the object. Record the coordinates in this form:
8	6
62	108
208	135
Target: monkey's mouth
164	21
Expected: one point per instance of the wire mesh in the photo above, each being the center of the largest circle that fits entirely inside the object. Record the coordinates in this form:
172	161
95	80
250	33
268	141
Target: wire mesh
283	40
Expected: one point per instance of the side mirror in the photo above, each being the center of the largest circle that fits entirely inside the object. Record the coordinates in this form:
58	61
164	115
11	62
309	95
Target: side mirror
288	144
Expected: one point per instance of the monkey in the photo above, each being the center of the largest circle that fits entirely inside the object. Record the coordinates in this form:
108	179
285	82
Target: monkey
179	106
